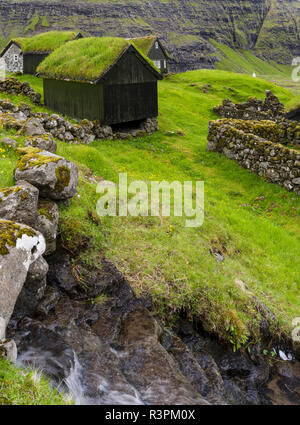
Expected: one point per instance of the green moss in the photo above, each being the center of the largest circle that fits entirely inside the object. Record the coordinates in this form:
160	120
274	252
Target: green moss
63	176
10	232
48	41
7	191
31	158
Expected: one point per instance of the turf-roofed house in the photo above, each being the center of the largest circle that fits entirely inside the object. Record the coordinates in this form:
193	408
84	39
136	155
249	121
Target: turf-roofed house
152	47
102	79
36	49
12	55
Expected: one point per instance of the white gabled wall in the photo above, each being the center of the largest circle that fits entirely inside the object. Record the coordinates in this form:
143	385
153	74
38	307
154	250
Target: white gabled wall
13	59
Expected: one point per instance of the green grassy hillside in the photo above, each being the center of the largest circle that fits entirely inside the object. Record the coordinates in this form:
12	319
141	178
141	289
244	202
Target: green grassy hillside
254	224
268	27
244	61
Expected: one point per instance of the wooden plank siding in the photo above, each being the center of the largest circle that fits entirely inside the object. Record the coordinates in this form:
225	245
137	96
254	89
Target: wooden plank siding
32	61
76	100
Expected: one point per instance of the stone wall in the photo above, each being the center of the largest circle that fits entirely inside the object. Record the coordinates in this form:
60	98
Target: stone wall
12	116
273	161
253	109
284	132
16	87
13	65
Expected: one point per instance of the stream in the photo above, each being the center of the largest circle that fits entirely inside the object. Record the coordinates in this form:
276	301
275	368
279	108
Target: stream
115	352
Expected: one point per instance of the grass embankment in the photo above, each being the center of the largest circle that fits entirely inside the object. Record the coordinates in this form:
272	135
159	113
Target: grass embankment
27	387
254	224
245	62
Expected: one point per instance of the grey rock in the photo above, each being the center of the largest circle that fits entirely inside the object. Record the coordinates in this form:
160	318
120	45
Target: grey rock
33	127
44	142
47	223
19	203
34	287
54	176
15	260
2	328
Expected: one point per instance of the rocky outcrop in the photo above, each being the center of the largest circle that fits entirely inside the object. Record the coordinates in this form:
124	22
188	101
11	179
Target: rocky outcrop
54	176
253	109
185	27
273	161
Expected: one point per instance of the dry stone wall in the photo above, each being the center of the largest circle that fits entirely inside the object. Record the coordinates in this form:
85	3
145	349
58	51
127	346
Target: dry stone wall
16	87
253	109
273	161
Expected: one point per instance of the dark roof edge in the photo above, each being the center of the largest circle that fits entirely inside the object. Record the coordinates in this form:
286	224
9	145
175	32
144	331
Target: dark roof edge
140	57
163	48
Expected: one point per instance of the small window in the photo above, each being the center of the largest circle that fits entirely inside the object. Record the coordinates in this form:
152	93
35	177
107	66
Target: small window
16	58
156	45
165	64
157	64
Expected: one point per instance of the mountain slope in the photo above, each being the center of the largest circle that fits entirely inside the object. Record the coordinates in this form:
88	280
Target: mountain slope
270	27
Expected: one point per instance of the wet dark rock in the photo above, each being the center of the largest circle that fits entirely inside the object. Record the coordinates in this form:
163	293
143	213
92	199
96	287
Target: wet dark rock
35	341
49	301
34	287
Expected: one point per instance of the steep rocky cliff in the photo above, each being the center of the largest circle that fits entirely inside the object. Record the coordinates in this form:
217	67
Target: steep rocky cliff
269	27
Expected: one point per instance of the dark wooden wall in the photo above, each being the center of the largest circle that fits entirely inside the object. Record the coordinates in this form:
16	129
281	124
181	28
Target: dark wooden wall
130	90
159	55
130	102
76	100
32	61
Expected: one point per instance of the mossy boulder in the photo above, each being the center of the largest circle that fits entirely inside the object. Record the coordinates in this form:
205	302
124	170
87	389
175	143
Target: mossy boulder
33	127
7	141
20	246
44	142
8	121
19	203
47	223
54	176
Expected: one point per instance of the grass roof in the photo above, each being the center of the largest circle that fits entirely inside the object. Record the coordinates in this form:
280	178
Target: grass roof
20	40
144	44
86	59
48	41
